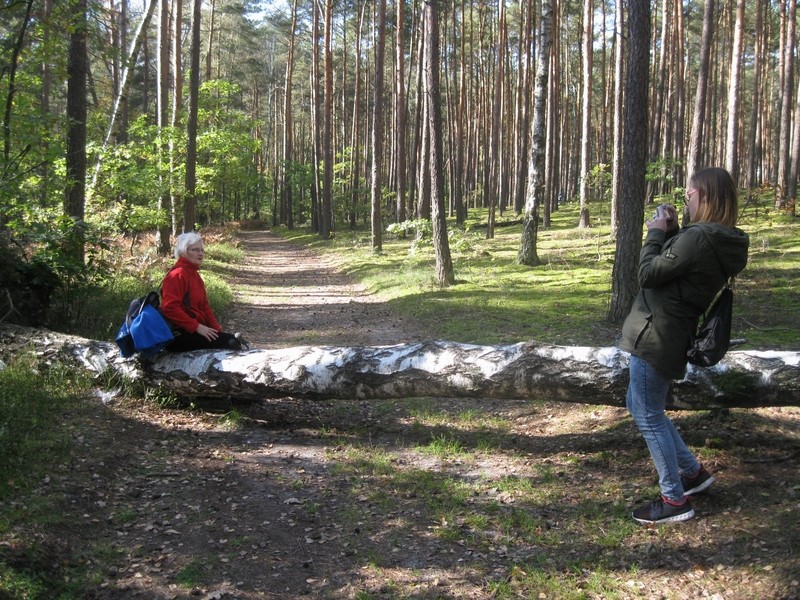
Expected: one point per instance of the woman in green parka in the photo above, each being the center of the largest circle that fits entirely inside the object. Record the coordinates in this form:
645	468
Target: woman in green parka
680	273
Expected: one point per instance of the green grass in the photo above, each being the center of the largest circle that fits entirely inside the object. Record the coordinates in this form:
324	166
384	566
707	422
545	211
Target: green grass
444	447
566	299
34	396
191	575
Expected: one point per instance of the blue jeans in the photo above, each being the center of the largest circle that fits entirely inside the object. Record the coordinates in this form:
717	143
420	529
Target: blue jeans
646	400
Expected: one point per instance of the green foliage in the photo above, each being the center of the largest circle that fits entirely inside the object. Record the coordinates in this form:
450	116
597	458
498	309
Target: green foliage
109	303
419	228
599	180
45	280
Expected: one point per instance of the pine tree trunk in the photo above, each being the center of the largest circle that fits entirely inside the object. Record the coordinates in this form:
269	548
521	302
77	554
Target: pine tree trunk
433	108
288	125
177	107
190	201
586	109
162	235
400	138
327	127
77	68
698	121
732	130
376	183
629	236
616	161
786	110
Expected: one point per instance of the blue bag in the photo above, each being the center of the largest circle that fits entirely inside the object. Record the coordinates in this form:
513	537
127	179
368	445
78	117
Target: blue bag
125	341
150	331
145	329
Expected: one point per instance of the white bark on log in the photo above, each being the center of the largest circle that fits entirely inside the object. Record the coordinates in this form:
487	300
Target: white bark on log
434	369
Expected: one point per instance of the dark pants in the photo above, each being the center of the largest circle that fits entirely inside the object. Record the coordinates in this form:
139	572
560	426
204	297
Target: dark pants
194	341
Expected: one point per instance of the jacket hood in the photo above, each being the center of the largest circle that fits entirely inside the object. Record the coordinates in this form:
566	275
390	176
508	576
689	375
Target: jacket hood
729	244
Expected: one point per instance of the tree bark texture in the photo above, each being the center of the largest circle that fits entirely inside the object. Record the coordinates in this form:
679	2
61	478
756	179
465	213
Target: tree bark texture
433	104
376	142
528	254
696	137
433	369
190	201
586	109
634	156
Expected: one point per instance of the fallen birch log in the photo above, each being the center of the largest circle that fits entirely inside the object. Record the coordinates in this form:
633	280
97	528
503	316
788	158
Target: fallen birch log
434	369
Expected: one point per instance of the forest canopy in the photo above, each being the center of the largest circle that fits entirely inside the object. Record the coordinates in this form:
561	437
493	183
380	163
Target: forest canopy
161	116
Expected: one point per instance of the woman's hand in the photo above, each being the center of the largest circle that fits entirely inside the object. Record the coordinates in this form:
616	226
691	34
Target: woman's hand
207	332
665	219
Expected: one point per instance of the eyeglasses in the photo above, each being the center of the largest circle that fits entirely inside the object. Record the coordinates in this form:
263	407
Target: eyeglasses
688	195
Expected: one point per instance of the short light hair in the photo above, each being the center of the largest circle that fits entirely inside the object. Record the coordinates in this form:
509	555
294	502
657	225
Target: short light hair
184	240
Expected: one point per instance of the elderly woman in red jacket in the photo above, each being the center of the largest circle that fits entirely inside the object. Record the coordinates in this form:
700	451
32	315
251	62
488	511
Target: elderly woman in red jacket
185	305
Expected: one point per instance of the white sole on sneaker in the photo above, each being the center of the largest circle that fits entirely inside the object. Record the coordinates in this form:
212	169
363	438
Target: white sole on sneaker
700	487
673	519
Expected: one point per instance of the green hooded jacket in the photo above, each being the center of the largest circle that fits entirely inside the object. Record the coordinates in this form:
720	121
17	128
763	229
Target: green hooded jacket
679	276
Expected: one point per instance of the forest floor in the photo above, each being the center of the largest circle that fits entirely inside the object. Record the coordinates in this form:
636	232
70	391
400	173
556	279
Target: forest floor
346	499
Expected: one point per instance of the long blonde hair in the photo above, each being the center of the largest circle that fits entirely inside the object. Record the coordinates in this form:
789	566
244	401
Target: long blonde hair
719	200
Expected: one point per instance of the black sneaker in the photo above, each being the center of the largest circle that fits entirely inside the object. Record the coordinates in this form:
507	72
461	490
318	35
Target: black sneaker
697	484
659	511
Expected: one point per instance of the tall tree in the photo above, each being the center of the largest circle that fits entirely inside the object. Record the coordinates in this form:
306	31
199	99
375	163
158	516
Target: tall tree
492	189
701	93
586	109
784	160
400	113
753	145
433	108
616	161
288	127
376	183
190	200
327	127
122	93
659	119
535	195
12	77
734	87
355	145
634	156
521	116
77	70
177	109
316	122
164	206
212	13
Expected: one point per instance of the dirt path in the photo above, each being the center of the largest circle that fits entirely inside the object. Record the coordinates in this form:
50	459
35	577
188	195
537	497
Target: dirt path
421	498
287	295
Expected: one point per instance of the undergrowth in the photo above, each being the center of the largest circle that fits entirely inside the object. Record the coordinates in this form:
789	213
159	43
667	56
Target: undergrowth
566	299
